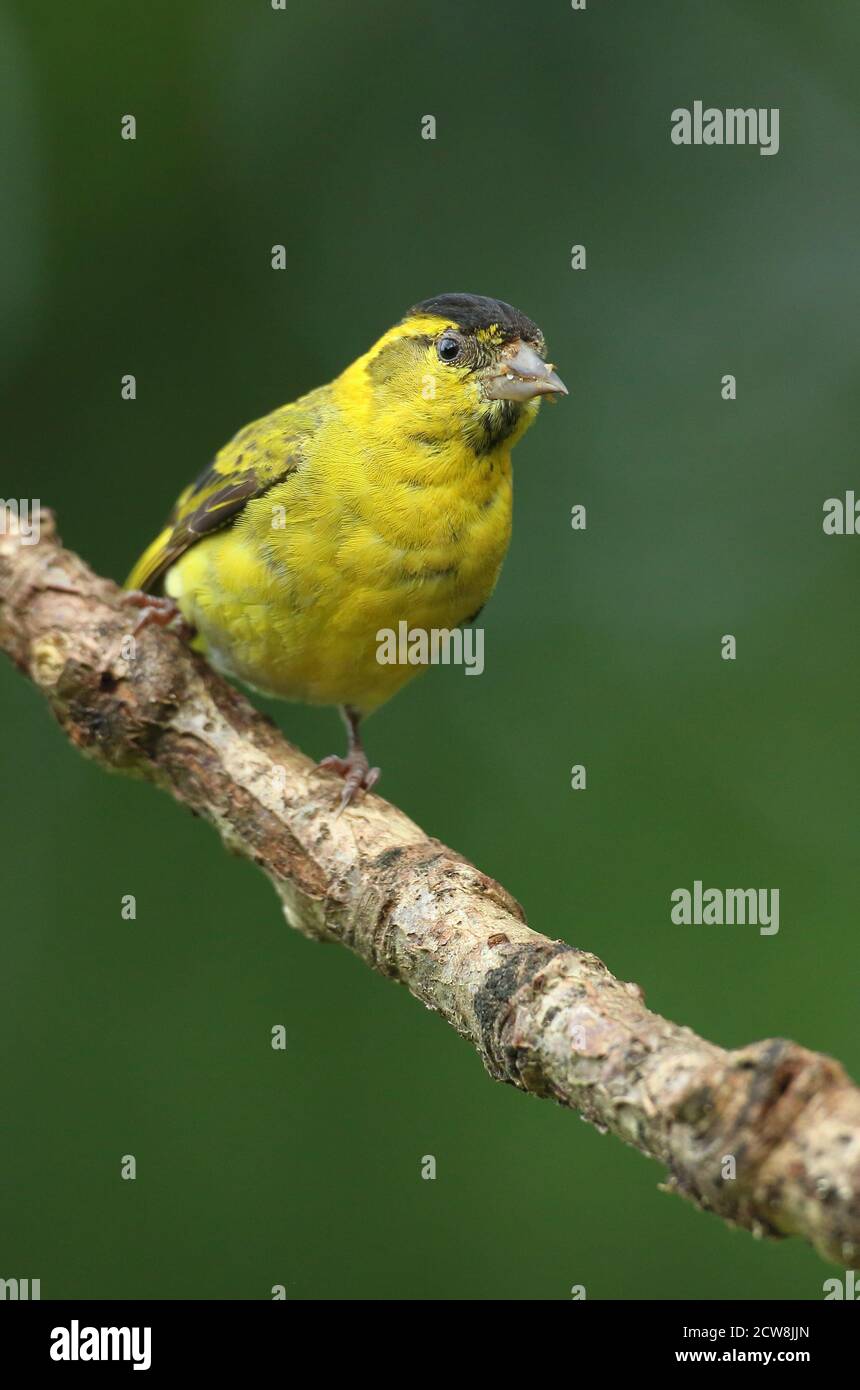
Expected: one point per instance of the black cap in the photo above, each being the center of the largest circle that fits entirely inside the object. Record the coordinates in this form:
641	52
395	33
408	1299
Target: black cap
473	311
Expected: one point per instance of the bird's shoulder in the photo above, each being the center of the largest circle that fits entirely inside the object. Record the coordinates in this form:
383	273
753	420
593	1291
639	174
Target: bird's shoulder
259	457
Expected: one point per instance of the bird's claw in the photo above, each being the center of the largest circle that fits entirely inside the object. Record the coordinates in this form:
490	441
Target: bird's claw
157	612
356	772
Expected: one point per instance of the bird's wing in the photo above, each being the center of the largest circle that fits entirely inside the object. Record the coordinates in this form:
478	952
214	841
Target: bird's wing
261	455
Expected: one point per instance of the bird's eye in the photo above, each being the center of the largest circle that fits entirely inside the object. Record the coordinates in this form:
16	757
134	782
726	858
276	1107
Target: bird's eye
448	348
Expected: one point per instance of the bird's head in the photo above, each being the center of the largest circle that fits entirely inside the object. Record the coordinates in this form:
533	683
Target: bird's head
462	365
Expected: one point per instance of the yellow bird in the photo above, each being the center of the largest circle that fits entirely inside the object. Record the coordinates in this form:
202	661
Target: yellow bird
380	498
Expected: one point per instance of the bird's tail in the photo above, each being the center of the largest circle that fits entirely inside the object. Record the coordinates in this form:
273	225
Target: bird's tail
151	564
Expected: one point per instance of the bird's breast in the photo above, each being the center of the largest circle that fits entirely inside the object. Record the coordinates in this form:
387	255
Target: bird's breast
295	608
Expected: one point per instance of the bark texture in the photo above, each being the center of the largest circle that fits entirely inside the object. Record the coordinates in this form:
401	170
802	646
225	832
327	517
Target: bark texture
543	1015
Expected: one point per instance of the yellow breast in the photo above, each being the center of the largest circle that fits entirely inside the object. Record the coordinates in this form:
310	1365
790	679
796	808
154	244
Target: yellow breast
369	531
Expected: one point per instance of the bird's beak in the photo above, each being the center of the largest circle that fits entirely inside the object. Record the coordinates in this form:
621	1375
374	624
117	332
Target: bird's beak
523	375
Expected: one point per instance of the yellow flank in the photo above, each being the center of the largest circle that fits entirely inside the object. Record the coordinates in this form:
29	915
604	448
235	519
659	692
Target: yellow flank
384	496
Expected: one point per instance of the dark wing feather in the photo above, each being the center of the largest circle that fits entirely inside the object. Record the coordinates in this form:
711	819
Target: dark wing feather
260	456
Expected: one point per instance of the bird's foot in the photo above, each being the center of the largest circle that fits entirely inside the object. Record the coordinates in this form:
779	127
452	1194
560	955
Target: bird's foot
157	612
358	775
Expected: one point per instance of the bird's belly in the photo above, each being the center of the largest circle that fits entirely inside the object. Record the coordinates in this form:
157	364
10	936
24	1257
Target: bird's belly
314	632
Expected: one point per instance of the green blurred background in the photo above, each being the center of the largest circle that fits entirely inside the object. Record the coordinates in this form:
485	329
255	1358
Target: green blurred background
704	517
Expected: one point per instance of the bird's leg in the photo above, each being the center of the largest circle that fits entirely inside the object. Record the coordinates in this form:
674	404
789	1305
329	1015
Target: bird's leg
157	611
355	770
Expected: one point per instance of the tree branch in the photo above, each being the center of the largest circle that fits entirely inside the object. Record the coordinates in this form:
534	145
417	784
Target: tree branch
544	1016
